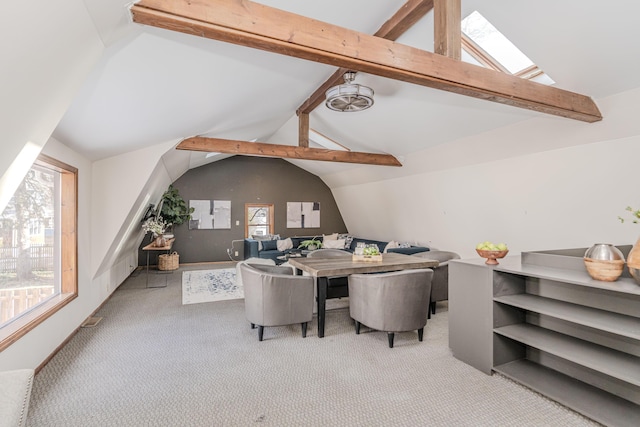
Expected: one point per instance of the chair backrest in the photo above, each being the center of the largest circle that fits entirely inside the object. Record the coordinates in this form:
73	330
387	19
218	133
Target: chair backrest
391	302
441	256
329	253
276	297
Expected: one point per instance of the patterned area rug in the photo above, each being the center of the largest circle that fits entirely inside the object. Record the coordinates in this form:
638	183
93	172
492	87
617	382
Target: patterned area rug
210	285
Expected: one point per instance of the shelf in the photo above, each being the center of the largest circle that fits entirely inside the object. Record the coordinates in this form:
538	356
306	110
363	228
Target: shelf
618	324
602	359
576	277
590	401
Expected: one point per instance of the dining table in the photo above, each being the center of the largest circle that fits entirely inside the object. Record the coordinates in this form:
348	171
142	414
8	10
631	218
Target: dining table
324	268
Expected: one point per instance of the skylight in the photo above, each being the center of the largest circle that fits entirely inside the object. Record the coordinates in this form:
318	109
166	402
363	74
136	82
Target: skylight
484	45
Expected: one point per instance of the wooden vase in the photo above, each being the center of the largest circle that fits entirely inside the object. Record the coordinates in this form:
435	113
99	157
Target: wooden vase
633	262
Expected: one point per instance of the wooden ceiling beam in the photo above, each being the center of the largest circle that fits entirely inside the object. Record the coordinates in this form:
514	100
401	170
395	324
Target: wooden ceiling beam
216	145
447	33
254	25
398	24
303	130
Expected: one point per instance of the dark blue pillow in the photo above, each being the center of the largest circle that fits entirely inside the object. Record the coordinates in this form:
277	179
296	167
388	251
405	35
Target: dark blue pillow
269	245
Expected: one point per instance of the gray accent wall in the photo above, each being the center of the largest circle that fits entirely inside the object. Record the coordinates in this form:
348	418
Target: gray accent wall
241	180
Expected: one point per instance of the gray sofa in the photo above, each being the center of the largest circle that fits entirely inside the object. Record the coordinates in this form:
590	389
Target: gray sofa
252	247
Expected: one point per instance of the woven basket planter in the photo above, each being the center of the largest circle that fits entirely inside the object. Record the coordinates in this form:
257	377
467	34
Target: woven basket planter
169	261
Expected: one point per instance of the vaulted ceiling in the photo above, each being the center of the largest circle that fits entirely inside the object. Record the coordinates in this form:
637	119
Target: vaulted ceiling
155	86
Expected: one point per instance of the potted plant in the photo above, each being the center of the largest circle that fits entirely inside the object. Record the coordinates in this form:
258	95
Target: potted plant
173	207
311	244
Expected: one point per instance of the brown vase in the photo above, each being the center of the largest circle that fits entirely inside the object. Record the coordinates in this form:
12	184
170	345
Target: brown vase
160	241
633	262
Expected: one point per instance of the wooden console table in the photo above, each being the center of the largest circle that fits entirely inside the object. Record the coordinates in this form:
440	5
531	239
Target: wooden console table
152	247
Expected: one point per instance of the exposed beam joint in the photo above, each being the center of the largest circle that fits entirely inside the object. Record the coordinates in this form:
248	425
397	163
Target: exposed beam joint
398	24
254	25
200	143
447	33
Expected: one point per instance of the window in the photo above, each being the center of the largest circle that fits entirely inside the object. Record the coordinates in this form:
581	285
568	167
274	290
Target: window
38	248
483	44
259	219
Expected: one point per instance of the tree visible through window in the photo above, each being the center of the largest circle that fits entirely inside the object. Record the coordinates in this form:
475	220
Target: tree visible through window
37	238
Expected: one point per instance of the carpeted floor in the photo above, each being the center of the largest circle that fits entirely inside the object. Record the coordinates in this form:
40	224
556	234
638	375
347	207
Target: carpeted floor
155	362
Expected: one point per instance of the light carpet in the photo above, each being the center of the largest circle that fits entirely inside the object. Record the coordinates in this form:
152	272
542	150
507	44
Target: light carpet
210	285
155	362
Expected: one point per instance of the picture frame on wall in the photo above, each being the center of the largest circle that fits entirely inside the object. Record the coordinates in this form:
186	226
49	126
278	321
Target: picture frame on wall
303	214
210	215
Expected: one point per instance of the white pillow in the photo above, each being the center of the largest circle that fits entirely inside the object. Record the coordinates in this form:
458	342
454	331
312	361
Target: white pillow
392	244
333	244
285	244
333	236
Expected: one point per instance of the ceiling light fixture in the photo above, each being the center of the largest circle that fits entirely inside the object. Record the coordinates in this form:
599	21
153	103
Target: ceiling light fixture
349	96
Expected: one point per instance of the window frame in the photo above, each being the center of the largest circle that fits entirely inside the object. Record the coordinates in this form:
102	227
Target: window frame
270	206
29	320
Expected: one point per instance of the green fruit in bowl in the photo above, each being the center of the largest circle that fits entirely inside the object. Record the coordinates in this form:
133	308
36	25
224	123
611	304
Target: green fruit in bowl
501	247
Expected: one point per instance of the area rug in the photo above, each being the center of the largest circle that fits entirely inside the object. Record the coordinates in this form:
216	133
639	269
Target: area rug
210	285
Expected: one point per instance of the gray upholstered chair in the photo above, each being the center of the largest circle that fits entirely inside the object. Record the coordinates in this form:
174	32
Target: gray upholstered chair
338	286
328	253
440	282
391	302
273	296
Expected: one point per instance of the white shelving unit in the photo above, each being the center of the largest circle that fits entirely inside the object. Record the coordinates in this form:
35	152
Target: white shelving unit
541	320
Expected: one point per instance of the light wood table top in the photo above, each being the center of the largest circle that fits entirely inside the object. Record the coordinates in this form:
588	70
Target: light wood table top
152	246
325	267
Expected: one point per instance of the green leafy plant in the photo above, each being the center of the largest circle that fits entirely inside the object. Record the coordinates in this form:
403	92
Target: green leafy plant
635	215
311	243
174	209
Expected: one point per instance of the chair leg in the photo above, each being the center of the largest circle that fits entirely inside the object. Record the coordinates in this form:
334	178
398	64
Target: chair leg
304	329
253	326
390	336
260	332
420	334
433	307
357	328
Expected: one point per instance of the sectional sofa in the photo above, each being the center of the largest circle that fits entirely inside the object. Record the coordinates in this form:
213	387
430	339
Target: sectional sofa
253	248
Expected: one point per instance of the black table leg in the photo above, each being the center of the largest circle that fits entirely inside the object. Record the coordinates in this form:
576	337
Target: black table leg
323	285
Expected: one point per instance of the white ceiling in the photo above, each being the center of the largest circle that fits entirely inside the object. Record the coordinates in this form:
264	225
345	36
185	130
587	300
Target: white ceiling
154	86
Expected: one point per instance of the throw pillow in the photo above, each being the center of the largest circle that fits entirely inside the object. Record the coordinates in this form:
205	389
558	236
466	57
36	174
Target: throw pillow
333	244
333	236
285	244
269	245
392	244
404	245
347	240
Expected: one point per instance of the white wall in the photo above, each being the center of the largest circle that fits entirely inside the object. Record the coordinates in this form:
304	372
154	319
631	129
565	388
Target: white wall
124	186
36	89
496	187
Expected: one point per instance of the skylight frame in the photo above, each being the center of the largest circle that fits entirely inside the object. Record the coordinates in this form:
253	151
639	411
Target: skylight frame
486	59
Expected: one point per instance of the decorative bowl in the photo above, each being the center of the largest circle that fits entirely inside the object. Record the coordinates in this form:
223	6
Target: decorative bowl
604	262
492	256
